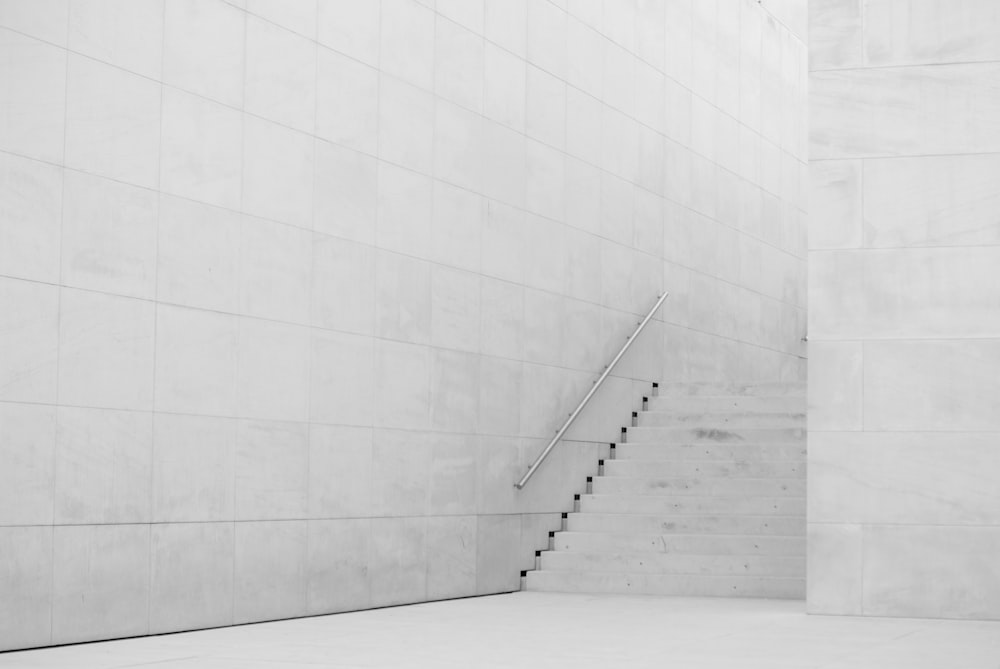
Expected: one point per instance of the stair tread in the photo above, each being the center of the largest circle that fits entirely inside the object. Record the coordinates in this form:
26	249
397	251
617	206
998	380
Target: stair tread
733	505
700	444
659	451
712	428
731	384
681	543
714	461
720	414
704	434
681	468
708	434
728	402
725	421
654	575
603	495
699	485
704	524
734	410
672	573
713	478
678	535
685	515
713	392
684	555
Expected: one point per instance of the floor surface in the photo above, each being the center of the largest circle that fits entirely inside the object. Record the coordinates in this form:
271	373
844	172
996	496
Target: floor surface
555	630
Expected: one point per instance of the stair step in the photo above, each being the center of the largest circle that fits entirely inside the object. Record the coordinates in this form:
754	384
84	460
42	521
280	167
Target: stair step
703	486
686	524
709	434
735	403
776	389
686	585
668	563
732	469
687	544
722	421
703	496
692	504
710	451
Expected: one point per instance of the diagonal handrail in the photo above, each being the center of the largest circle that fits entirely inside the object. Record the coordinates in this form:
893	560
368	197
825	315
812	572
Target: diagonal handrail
607	370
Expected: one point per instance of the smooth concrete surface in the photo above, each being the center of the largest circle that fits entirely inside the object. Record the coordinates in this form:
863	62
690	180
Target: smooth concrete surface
904	416
532	629
291	293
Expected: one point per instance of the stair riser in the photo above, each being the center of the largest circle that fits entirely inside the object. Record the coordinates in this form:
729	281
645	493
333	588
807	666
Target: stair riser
664	524
731	470
737	506
667	584
711	435
707	544
731	389
610	485
735	404
740	451
676	564
723	421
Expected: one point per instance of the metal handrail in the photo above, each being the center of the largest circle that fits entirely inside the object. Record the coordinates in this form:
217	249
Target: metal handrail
597	384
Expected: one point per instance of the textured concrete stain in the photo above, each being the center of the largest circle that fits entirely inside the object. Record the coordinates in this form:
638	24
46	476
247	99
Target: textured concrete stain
716	435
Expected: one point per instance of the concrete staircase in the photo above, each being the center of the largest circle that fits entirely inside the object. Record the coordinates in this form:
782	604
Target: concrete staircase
704	497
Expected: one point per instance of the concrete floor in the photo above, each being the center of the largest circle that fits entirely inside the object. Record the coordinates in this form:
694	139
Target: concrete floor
530	629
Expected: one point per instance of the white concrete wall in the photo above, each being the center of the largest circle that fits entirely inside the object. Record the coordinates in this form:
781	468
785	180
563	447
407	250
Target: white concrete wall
904	308
292	292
